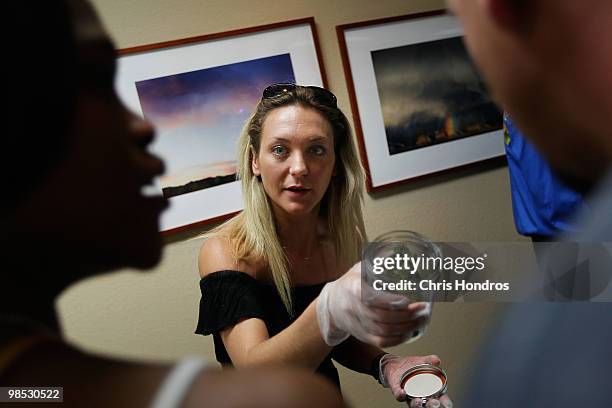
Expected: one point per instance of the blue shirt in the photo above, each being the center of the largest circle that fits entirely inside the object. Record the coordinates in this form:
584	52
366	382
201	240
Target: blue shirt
542	204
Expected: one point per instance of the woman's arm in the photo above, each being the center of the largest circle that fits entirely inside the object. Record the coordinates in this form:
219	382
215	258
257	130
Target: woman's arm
355	355
248	342
300	344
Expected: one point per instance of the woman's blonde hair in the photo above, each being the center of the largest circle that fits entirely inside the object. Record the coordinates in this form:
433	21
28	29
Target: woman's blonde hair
252	233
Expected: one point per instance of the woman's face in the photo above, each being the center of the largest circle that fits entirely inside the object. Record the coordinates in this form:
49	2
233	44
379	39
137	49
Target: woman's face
296	158
92	203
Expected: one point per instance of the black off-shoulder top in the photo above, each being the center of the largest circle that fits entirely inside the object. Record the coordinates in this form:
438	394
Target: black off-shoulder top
230	296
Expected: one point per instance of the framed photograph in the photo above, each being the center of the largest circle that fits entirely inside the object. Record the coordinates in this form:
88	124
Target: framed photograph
198	93
418	102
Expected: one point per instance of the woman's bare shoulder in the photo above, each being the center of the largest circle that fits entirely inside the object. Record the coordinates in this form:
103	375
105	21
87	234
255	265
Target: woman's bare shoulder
217	254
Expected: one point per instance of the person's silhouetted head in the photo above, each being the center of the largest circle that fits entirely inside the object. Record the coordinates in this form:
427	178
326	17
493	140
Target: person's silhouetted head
76	157
548	62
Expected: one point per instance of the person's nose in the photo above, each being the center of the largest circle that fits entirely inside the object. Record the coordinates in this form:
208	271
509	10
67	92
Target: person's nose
298	166
141	130
142	134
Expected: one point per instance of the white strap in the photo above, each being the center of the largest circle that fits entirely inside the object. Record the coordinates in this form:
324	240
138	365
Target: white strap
171	392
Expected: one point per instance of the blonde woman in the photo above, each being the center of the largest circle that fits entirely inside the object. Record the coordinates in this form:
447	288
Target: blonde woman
270	292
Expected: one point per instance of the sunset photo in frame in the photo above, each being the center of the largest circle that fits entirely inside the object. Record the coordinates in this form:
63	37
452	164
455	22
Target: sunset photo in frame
418	102
198	93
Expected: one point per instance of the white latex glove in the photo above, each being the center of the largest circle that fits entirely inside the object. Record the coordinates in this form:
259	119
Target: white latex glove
341	314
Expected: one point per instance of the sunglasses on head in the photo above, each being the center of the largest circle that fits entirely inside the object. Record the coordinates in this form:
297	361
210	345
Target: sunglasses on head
321	94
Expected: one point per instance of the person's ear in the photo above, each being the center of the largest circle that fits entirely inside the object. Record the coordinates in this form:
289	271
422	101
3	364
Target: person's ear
508	14
255	162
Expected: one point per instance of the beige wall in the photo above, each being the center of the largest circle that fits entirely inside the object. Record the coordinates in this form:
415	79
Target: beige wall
152	315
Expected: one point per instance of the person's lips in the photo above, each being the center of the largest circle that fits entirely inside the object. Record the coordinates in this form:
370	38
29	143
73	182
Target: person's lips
297	190
150	190
153	194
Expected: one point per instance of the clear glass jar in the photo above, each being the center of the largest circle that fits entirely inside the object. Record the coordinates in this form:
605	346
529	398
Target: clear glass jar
407	277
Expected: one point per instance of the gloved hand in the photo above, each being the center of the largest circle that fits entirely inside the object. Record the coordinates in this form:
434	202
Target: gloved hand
341	313
392	367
